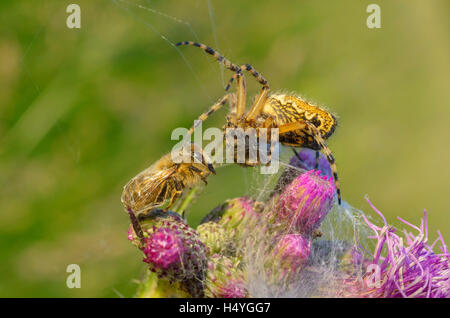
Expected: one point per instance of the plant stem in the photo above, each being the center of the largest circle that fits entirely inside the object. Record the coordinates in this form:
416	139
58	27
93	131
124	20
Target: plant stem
188	200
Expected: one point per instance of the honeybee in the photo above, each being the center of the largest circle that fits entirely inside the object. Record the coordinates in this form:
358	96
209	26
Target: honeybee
164	182
299	123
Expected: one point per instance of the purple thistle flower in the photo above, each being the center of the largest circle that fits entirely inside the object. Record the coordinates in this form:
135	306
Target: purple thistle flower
164	249
173	251
410	267
305	202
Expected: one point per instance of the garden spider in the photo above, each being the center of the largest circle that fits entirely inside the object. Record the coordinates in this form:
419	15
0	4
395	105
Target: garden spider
300	123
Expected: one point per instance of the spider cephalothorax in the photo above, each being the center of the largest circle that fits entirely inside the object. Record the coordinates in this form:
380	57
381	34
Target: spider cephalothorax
299	123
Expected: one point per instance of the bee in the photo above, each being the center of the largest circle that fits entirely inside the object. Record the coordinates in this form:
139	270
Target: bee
299	123
164	182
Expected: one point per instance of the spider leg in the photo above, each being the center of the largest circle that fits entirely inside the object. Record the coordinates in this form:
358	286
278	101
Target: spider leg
219	57
269	123
297	154
272	149
297	125
316	165
251	70
260	99
241	96
258	103
202	118
210	111
311	130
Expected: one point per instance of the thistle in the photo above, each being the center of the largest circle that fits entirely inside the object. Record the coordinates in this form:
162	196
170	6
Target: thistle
304	203
410	267
291	252
164	252
217	238
236	216
173	251
301	162
225	279
245	248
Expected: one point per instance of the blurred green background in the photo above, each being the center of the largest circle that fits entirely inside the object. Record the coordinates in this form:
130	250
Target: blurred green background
84	110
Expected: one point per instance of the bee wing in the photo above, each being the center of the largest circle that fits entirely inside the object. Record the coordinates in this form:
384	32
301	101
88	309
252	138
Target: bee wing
153	182
144	190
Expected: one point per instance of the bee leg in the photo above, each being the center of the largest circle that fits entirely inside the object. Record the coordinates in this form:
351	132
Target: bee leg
136	226
161	197
175	195
179	186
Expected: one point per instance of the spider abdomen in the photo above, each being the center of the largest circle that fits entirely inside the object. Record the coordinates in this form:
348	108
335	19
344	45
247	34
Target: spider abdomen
289	108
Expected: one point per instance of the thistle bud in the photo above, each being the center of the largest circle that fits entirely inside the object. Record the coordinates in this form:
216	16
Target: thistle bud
303	161
239	214
225	279
291	252
304	203
235	215
216	238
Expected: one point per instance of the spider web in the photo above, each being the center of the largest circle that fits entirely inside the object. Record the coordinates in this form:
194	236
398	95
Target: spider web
342	229
135	8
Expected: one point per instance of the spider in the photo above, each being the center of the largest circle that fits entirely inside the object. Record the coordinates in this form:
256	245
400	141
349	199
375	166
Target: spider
300	123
